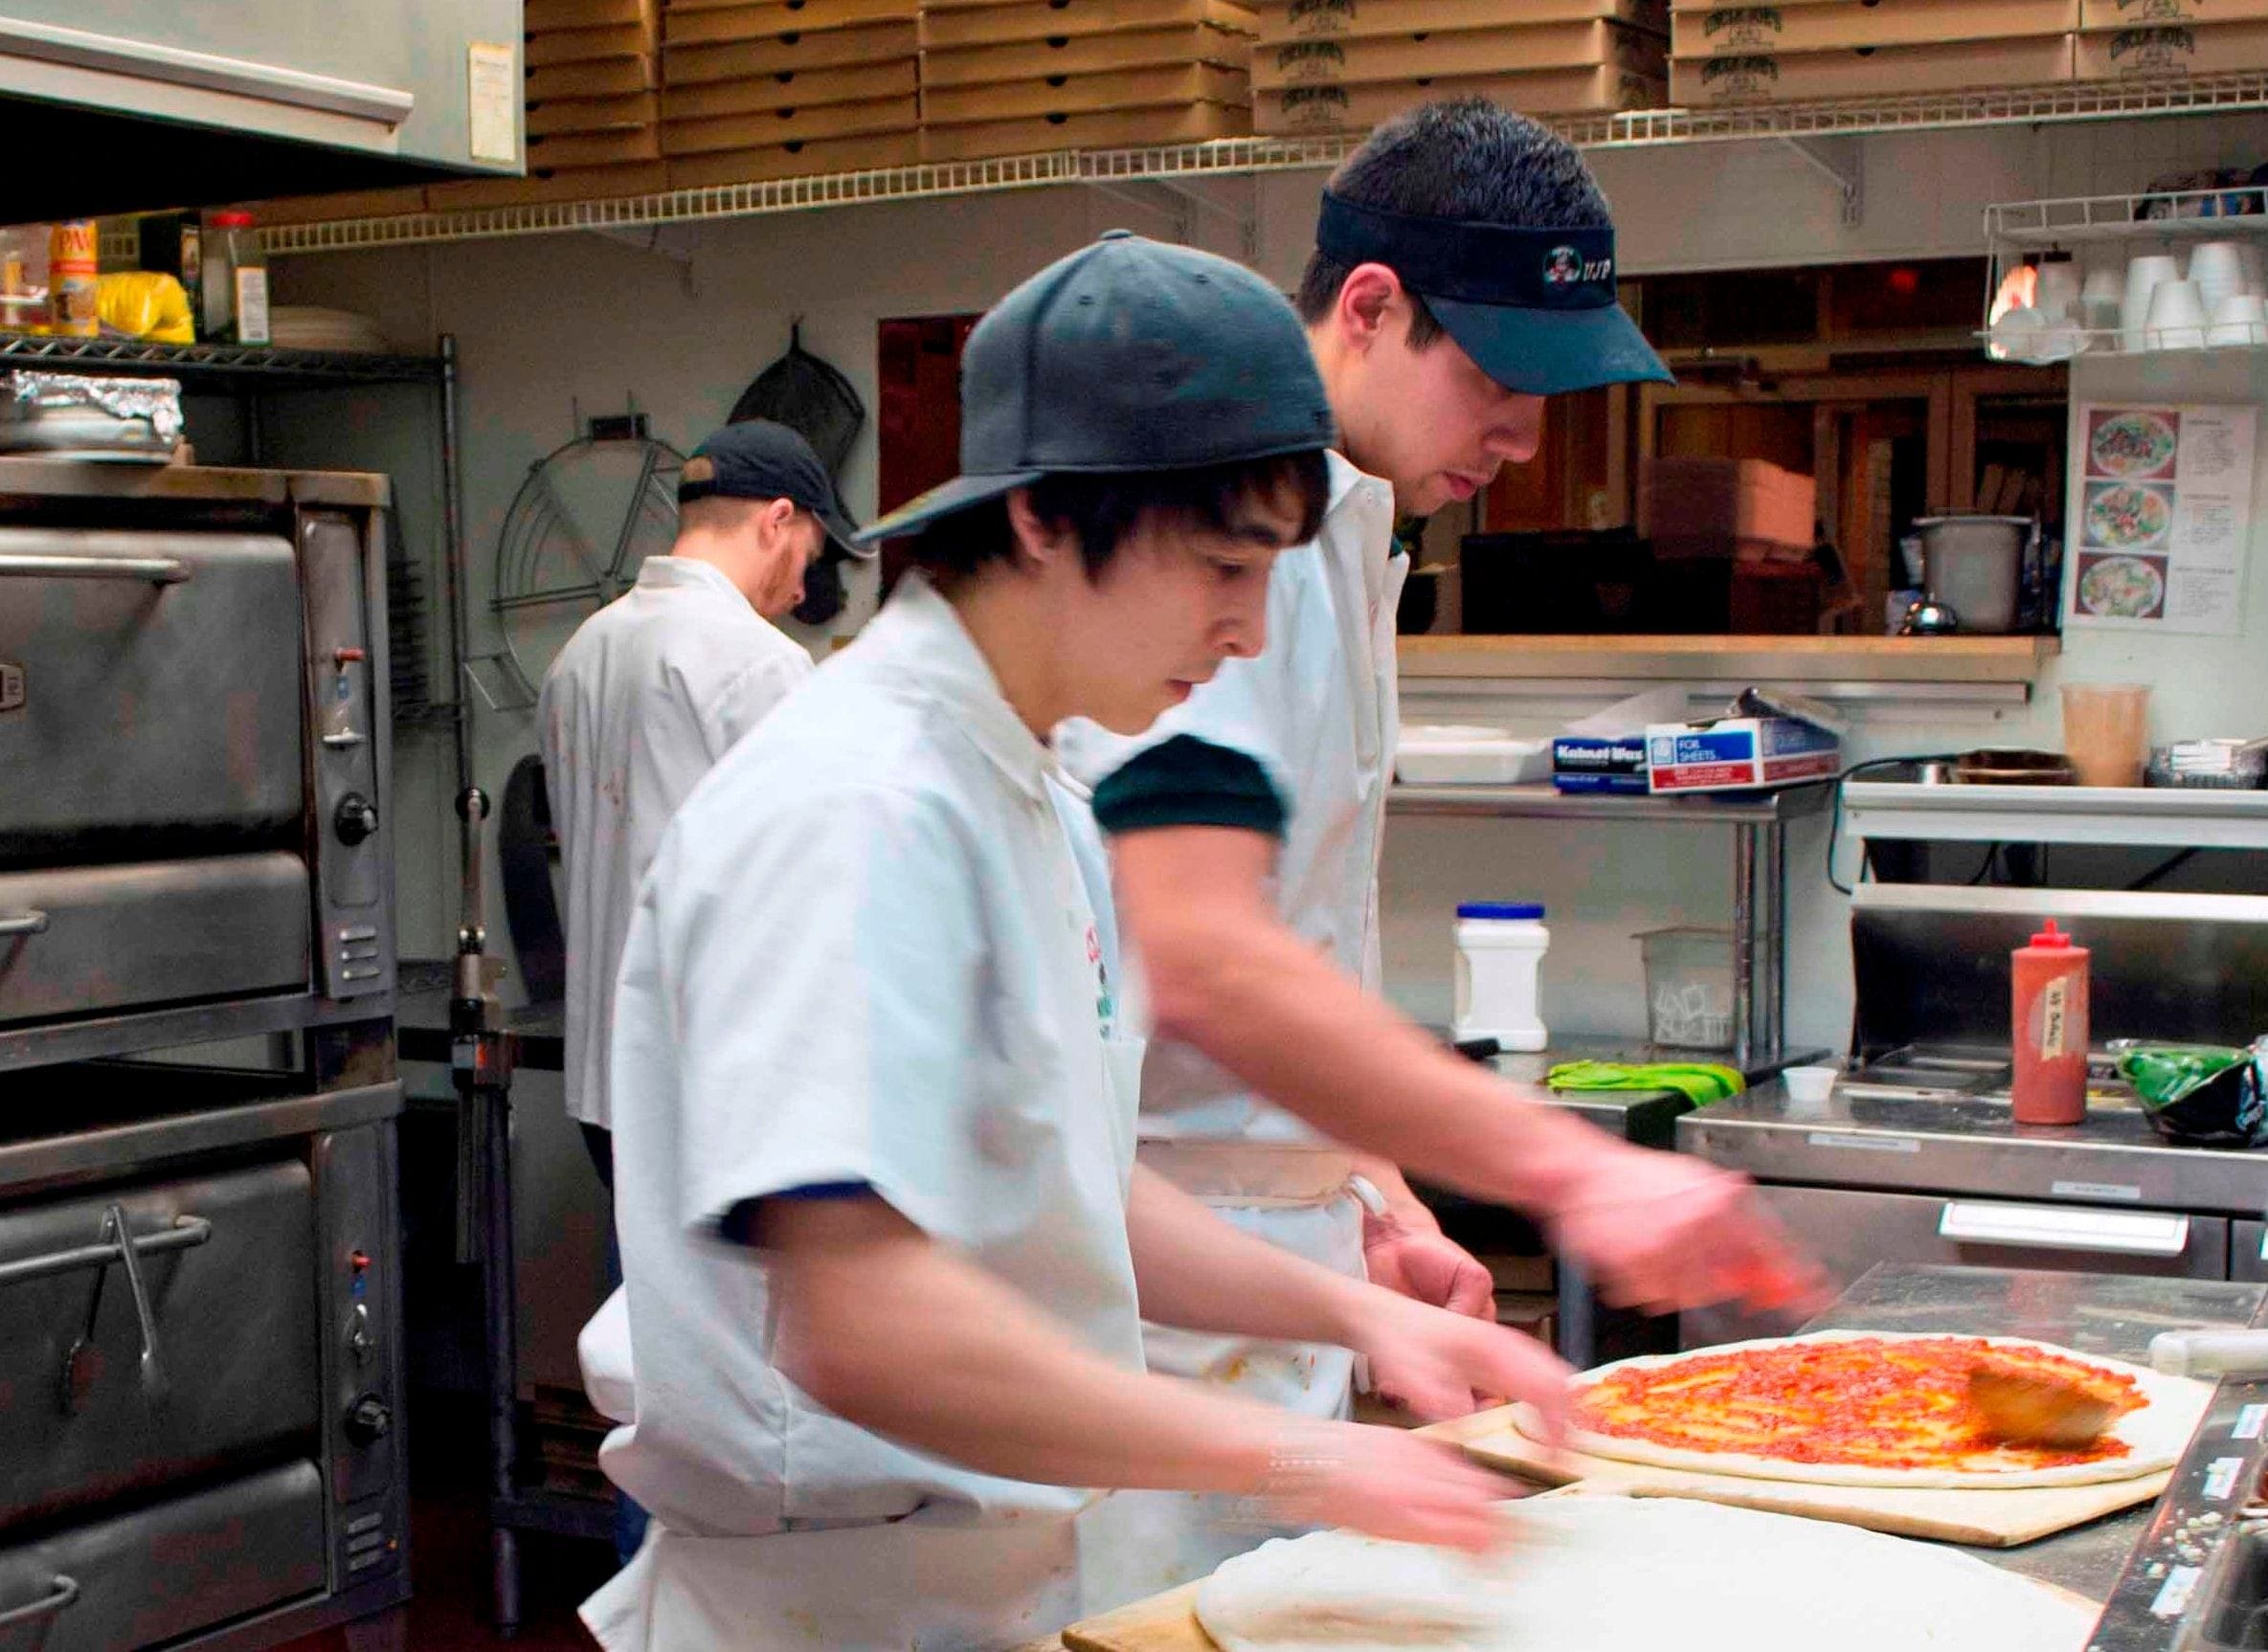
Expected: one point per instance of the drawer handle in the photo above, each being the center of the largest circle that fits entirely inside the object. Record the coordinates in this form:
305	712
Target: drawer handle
60	1593
24	923
186	1234
156	570
2051	1227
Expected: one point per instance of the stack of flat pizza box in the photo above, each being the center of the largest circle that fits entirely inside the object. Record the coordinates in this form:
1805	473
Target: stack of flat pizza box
1326	66
593	72
761	89
1026	77
1805	50
2169	39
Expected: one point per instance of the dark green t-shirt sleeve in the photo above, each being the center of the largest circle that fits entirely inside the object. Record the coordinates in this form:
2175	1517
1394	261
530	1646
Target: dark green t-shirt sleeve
1185	781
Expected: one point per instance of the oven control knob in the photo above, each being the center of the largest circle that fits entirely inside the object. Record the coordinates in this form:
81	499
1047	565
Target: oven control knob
356	820
369	1421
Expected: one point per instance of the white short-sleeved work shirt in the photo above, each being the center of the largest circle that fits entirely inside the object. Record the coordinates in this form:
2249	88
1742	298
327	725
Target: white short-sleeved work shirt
863	955
642	701
1318	711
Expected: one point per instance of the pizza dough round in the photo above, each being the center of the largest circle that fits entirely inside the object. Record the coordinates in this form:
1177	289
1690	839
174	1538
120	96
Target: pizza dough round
2155	1436
1613	1574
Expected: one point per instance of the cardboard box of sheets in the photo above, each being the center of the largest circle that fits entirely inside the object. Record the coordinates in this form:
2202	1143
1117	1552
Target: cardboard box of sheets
1012	79
1282	20
1853	72
2095	16
785	88
1523	49
593	72
1700	28
2171	51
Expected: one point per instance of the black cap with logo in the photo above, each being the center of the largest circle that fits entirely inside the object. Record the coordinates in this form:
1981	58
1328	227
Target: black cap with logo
758	458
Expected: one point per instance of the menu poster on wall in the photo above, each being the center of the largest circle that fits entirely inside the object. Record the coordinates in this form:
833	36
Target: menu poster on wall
2160	520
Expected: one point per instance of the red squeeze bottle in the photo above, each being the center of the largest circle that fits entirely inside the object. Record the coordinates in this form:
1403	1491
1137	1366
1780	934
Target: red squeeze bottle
2050	998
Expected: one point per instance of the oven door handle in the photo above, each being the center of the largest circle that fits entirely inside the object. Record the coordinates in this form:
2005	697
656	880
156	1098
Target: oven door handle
23	923
2059	1227
186	1234
156	570
61	1593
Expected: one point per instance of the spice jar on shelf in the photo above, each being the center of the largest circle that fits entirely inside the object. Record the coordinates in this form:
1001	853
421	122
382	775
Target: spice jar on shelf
235	281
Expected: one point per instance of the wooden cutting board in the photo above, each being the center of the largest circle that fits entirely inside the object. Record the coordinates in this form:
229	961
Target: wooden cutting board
1988	1519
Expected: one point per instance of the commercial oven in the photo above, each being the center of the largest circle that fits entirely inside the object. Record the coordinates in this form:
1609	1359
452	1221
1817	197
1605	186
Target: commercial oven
200	1370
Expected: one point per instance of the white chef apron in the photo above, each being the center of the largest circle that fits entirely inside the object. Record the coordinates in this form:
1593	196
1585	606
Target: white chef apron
1134	1544
894	1587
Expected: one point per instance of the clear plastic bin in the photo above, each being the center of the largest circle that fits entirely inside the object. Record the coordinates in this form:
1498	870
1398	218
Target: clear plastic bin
1689	987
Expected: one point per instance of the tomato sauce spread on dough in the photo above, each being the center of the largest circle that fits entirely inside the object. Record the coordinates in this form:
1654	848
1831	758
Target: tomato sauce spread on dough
1872	1401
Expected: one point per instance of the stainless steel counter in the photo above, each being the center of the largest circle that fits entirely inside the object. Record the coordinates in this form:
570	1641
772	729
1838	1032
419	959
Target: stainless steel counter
1881	1138
2095	1313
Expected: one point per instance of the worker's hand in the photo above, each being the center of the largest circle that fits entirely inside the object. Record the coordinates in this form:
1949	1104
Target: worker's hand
1440	1363
1661	1232
1425	1266
1387	1482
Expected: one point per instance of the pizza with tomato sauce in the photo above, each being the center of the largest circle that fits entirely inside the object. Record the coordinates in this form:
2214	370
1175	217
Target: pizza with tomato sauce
1871	1409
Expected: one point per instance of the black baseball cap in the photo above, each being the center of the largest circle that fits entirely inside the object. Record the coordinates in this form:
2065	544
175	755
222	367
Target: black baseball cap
1128	355
1534	308
758	458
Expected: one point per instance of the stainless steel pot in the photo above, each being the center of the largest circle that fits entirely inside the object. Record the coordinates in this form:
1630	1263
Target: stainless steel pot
1974	565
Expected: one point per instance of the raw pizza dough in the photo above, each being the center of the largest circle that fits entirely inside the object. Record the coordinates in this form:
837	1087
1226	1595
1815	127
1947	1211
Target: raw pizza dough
1618	1573
2155	1436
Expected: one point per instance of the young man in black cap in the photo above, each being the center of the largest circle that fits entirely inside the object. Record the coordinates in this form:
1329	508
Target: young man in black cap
883	1233
1463	271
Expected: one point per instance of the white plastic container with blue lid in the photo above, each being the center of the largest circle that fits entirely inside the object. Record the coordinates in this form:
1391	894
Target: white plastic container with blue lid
1500	948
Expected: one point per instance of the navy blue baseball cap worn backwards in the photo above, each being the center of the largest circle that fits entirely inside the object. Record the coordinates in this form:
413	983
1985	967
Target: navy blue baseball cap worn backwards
1129	355
1534	308
758	458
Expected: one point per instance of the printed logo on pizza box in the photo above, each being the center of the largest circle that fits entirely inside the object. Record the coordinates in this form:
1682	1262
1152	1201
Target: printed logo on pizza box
1734	75
1313	59
2157	11
2145	51
1318	106
1321	17
1742	28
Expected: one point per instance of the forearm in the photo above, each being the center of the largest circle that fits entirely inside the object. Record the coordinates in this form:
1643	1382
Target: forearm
902	1336
1196	1271
1245	991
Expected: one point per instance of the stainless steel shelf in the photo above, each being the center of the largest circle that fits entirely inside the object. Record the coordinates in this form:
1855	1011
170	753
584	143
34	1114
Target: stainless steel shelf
1546	802
2170	817
2079	219
237	367
1241	156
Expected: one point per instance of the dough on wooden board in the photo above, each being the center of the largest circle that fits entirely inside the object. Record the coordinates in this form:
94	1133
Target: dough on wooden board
1618	1573
2156	1434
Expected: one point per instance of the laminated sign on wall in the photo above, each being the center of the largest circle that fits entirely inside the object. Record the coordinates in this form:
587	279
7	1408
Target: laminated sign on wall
2160	516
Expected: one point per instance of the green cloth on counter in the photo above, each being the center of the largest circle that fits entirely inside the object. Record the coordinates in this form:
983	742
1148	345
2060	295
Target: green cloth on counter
1700	1083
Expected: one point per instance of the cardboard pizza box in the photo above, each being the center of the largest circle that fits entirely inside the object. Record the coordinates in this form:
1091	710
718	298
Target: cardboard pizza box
748	59
346	204
614	78
774	19
1744	29
795	160
1465	52
1765	77
1026	20
2164	50
776	126
1084	94
1295	111
547	16
594	149
791	89
557	115
569	184
2097	14
1087	54
588	45
1102	130
1308	19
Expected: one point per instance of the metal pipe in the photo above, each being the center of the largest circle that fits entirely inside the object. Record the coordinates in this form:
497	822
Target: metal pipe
186	1234
1745	888
156	570
60	1593
453	571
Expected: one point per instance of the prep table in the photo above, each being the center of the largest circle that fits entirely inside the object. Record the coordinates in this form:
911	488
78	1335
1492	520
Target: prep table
2109	1559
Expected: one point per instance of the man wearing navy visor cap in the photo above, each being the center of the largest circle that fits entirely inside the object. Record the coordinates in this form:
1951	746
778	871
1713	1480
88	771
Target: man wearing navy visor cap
1464	270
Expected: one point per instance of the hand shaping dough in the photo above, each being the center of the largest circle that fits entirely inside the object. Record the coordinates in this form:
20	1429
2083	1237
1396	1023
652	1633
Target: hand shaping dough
1614	1573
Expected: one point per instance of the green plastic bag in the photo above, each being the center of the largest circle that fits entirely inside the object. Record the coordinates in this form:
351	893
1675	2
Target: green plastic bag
2204	1095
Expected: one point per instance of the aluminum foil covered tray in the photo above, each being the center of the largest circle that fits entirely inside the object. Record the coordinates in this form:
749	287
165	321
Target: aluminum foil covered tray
66	415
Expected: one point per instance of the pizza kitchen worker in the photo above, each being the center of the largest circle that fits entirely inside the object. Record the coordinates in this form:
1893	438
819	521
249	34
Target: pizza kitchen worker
1463	272
887	1251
